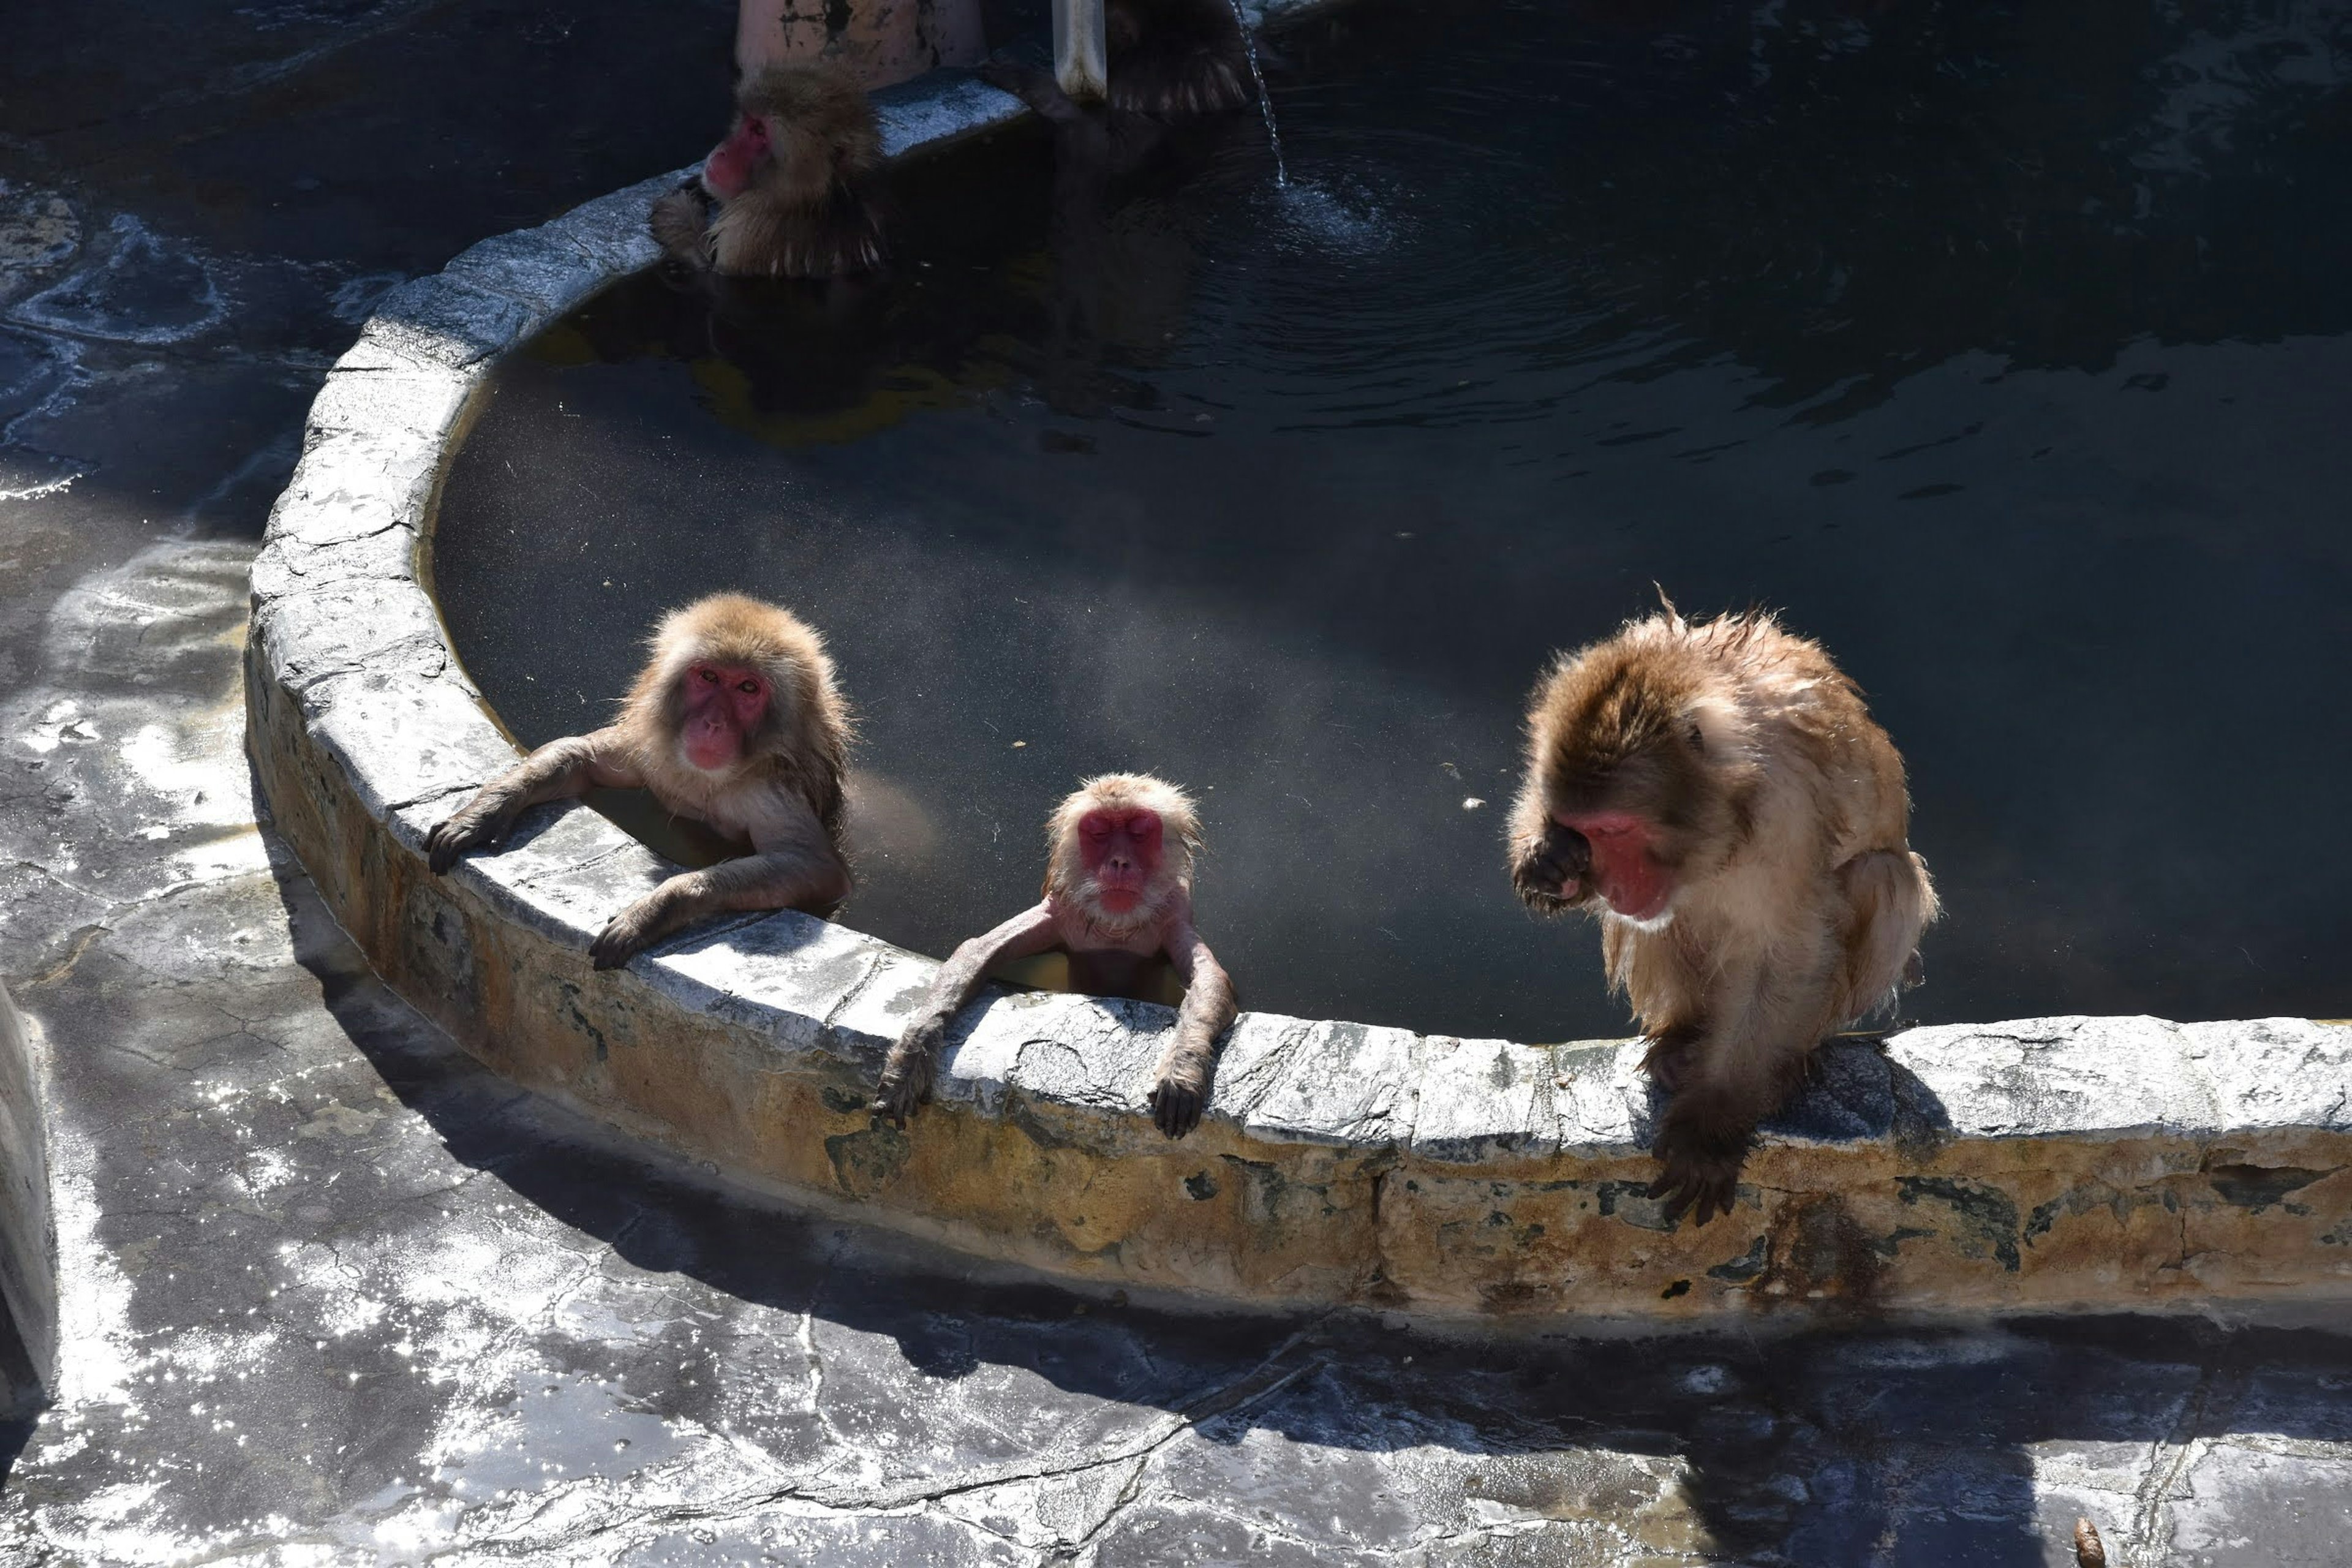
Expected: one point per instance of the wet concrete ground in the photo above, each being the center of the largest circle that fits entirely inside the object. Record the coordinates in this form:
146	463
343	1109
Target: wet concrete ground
333	1294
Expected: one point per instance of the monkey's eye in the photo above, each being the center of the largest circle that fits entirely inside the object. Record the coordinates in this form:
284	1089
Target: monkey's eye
710	677
749	687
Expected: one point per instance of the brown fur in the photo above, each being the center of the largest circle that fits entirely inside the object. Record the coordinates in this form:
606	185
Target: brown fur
810	210
1780	812
803	744
1107	951
1176	58
782	797
1179	826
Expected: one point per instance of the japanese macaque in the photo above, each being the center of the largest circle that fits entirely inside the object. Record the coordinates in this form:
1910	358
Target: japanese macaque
790	192
1172	58
734	721
1167	60
1119	893
1720	795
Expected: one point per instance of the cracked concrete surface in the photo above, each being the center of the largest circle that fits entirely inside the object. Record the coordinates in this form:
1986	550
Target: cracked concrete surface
334	1294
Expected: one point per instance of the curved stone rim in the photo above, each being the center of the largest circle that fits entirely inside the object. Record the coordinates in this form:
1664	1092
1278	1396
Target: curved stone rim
1337	1162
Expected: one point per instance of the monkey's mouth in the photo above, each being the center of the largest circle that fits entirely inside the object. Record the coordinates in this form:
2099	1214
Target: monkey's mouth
1118	900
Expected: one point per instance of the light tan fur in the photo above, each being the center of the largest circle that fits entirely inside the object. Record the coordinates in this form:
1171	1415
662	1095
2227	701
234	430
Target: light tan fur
1782	818
781	798
1105	949
808	212
1066	878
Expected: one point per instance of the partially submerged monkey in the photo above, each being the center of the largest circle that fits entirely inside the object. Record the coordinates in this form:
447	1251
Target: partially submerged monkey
1719	793
735	722
790	192
1118	893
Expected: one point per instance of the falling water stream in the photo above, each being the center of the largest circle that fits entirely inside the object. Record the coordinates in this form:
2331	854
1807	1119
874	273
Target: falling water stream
1265	101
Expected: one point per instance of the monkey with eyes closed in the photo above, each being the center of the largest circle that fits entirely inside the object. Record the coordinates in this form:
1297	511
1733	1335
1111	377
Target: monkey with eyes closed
1118	892
1719	793
790	192
734	721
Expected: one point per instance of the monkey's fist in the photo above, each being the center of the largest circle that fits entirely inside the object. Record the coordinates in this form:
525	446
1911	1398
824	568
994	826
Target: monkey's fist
1179	1098
628	933
467	829
907	1073
1701	1155
1549	872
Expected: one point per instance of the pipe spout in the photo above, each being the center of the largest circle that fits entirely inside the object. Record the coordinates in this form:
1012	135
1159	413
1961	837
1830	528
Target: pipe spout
1080	57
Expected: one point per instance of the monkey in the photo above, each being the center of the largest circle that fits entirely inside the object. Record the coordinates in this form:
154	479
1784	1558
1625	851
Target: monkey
790	192
736	721
1720	795
1173	57
1119	891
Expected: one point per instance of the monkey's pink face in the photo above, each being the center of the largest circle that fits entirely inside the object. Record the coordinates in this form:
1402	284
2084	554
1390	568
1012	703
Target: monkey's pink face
1624	869
724	703
727	171
1120	850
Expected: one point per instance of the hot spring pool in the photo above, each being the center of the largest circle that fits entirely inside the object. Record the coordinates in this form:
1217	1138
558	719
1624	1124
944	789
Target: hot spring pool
2004	352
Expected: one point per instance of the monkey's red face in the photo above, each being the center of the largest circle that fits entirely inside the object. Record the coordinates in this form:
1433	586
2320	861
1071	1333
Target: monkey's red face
729	171
1120	850
724	704
1625	868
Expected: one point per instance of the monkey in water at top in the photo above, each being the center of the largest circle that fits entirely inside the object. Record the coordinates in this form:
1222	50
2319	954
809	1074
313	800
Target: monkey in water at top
1719	793
734	721
1118	892
790	192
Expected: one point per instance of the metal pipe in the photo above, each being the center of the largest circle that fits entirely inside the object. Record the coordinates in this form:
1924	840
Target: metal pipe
1080	59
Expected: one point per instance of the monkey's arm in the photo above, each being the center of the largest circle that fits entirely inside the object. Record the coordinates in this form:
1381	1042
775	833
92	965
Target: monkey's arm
557	771
907	1075
1765	1014
1189	1066
796	867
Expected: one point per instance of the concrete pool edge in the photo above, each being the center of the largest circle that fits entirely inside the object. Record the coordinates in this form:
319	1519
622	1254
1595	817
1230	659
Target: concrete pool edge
2076	1162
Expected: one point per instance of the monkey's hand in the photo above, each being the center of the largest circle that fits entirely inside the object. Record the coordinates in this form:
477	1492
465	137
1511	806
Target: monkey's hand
907	1075
482	820
630	932
1181	1093
1548	872
1702	1149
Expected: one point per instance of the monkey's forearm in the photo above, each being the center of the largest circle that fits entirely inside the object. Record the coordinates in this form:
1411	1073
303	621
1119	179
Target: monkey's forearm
774	880
908	1075
557	771
1188	1068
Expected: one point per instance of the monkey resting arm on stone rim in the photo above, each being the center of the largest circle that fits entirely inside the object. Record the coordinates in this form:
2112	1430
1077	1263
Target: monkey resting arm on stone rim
1720	796
1119	891
790	192
734	721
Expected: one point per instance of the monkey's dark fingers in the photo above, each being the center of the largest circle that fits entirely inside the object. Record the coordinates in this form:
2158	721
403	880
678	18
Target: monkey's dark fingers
622	939
448	842
1175	1108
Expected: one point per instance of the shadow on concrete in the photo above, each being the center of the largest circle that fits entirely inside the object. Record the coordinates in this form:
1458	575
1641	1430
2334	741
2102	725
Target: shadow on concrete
1821	1441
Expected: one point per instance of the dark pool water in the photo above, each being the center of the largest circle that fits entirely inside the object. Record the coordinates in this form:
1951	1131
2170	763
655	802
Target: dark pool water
2004	349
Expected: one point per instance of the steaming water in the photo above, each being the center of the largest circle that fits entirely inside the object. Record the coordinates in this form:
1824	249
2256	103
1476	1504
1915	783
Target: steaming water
2009	359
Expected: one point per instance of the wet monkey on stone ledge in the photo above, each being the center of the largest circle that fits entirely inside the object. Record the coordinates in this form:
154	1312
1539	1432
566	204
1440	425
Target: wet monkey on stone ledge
1118	892
734	721
1718	793
790	192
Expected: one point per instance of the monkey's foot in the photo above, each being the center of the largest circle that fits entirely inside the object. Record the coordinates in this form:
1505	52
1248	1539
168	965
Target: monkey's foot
906	1085
1177	1101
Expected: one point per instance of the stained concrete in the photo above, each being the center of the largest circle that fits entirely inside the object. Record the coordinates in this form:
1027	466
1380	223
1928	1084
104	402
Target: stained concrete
319	1269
